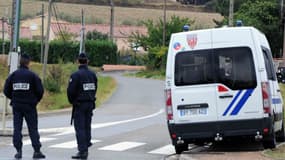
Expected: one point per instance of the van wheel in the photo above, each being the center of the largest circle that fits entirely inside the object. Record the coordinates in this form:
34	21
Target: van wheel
270	140
180	148
280	135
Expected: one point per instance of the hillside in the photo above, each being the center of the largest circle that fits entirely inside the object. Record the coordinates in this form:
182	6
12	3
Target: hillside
101	14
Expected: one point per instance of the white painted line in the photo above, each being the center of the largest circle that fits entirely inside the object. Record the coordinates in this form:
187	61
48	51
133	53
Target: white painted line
70	144
43	139
122	146
165	150
70	130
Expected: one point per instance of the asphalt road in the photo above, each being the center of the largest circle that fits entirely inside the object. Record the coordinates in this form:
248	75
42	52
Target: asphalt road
131	125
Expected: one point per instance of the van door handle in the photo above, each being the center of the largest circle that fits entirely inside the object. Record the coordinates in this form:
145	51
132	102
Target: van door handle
278	90
226	96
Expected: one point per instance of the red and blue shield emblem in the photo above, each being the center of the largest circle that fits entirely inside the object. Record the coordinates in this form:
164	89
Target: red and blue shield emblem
192	40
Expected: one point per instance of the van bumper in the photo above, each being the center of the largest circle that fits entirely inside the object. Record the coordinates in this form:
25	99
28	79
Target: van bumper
206	131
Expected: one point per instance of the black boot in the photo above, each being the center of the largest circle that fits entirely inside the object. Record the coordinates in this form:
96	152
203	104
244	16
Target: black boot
80	155
18	155
38	155
90	144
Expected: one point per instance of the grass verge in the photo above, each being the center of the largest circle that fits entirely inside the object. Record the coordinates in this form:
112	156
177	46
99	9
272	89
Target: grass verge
277	154
55	101
154	74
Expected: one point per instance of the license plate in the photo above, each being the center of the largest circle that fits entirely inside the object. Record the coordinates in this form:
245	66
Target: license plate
193	111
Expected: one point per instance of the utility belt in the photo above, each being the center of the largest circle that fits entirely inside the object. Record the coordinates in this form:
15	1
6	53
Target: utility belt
77	105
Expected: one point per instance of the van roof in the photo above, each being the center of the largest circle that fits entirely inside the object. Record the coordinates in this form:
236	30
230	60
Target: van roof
218	29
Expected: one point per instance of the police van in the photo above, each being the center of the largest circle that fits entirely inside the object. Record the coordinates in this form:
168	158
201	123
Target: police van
221	84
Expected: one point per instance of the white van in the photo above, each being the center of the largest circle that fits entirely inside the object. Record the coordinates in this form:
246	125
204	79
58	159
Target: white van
221	84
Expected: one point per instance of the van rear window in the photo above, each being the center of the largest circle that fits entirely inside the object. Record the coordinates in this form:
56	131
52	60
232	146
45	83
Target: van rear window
232	67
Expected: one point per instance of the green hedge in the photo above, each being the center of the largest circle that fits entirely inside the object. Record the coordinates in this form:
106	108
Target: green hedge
99	52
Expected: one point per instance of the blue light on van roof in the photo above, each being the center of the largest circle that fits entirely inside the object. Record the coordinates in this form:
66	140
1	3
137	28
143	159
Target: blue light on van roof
186	28
239	23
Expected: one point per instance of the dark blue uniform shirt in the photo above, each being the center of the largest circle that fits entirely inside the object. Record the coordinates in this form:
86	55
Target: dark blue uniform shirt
82	86
24	86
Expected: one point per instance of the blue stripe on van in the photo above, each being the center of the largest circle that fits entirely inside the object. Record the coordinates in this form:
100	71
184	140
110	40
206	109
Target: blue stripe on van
276	101
242	101
232	103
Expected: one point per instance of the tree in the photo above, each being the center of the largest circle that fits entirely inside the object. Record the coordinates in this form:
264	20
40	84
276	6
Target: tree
153	41
222	6
263	15
155	31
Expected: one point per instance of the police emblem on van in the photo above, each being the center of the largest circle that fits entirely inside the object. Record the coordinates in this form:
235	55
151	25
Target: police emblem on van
192	40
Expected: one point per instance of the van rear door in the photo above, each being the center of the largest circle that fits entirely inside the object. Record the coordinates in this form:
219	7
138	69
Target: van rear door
237	97
194	94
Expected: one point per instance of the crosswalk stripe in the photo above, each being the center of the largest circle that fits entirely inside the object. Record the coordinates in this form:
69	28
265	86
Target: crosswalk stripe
165	150
43	139
70	144
122	146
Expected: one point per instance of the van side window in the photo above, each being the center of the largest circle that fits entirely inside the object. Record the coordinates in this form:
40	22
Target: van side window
268	65
232	67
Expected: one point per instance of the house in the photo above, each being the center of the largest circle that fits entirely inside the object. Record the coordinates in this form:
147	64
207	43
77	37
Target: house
25	32
121	33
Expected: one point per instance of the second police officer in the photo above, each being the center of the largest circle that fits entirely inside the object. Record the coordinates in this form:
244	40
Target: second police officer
81	92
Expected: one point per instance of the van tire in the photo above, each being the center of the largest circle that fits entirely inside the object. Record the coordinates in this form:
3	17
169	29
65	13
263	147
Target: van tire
181	148
269	142
280	135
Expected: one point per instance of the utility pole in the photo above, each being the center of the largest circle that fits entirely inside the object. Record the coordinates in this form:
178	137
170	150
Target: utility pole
15	24
164	24
231	13
82	36
3	35
42	33
13	54
112	21
47	40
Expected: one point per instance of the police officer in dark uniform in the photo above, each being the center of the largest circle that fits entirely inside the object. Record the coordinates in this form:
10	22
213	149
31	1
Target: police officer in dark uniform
81	94
25	90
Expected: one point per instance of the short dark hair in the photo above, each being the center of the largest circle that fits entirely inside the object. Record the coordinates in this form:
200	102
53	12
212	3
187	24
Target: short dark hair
82	58
25	60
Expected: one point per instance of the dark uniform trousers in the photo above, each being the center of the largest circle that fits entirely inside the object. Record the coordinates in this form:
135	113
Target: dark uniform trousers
29	112
83	112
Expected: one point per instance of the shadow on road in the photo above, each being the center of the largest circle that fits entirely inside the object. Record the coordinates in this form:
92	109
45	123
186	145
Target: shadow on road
223	150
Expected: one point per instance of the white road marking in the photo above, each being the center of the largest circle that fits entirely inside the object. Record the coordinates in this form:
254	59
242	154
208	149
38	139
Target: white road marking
70	144
165	150
70	130
122	146
43	139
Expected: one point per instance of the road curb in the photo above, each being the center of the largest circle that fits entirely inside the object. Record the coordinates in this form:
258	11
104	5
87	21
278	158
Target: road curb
267	156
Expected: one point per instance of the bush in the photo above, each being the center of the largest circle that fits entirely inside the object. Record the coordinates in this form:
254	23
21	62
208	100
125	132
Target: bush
99	51
54	79
157	58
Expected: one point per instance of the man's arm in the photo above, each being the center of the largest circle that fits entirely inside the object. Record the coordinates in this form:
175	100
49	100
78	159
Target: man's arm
39	88
8	87
72	89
